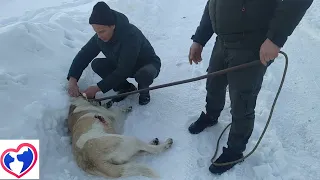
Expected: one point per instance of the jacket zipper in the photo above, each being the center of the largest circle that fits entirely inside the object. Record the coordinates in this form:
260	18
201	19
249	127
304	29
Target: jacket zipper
214	13
243	15
243	6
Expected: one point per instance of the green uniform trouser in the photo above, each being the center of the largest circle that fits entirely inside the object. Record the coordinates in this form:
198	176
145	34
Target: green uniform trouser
244	86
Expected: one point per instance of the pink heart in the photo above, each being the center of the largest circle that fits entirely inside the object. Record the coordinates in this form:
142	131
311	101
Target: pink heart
17	150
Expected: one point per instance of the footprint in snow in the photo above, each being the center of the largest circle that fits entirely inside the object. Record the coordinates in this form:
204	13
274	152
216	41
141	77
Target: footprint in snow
197	178
202	142
197	72
181	63
202	146
191	119
201	162
68	36
68	44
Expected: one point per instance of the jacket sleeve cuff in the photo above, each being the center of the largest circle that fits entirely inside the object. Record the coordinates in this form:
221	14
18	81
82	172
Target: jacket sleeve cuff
277	38
197	39
77	77
104	86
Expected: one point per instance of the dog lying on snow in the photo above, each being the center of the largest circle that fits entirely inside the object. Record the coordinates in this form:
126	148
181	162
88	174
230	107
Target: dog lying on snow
98	150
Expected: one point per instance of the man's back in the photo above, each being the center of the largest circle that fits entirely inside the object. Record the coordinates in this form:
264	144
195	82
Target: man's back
236	16
272	19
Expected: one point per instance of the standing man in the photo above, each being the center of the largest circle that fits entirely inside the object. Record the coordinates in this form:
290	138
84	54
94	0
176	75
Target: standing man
247	30
128	54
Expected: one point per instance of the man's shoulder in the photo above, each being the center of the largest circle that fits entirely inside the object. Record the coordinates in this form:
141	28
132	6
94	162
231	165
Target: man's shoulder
126	29
94	38
92	41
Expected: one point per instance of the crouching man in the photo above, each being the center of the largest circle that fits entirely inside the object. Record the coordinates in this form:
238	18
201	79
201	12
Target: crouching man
128	54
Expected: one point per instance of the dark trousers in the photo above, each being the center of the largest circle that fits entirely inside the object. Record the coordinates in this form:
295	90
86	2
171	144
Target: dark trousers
244	86
143	76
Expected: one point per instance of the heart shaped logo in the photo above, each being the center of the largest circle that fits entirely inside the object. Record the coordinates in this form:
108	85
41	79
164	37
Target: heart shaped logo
20	161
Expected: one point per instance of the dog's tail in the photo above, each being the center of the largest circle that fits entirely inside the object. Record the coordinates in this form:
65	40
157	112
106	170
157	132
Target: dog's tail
124	170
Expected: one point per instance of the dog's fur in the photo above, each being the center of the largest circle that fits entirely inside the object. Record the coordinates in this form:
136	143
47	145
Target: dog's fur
99	150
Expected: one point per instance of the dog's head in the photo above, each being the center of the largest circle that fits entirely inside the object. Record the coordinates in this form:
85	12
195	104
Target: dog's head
80	106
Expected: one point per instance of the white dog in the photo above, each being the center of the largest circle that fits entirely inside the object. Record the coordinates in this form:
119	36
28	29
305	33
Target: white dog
97	148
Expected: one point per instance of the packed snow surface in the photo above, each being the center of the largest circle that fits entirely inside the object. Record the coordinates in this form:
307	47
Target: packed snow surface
38	40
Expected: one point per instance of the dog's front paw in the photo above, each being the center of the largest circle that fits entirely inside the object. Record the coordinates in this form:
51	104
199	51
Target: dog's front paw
108	104
155	141
169	143
128	109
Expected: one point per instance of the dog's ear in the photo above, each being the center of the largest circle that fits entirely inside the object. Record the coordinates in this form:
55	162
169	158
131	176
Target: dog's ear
71	109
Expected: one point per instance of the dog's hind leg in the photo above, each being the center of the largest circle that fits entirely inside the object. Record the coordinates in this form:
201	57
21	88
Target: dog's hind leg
131	146
126	110
154	147
155	141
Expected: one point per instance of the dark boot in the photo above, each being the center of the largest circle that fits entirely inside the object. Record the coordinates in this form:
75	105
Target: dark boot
144	98
227	156
128	88
203	122
144	77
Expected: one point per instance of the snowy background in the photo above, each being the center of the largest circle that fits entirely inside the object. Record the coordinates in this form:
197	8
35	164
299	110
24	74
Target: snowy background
39	38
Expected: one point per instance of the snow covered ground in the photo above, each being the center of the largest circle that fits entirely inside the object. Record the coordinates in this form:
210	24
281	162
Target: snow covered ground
38	40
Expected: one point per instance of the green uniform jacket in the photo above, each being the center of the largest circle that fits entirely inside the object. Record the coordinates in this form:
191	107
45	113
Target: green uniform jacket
276	18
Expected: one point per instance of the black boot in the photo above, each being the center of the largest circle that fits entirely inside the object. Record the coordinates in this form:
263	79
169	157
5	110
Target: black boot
203	122
227	156
144	98
130	87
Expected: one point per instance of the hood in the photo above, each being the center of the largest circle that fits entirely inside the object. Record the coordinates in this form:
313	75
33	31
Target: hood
122	26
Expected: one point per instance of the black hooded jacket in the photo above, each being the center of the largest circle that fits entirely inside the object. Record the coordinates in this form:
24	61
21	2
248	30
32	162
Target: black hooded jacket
128	48
275	19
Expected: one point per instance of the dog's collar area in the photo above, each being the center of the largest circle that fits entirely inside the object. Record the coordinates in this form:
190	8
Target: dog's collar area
101	119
